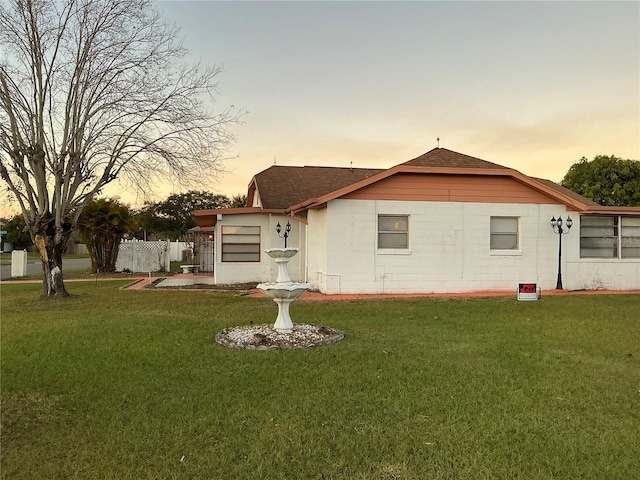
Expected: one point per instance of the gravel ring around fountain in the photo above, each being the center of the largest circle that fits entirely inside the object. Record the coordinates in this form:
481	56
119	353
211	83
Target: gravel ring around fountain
265	337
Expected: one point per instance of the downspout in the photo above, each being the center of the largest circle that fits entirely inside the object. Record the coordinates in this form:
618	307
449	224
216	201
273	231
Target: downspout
306	252
306	245
217	244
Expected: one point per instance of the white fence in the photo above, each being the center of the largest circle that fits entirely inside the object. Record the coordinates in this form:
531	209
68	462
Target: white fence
139	256
181	251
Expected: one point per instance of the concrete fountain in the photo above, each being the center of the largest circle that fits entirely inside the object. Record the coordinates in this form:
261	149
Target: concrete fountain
283	333
283	291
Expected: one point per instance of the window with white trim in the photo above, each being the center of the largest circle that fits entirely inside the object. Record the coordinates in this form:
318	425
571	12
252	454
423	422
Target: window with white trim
609	236
240	243
504	233
393	231
630	241
598	236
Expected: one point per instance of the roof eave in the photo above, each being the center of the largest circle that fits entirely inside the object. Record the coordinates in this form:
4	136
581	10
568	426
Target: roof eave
550	192
611	210
208	218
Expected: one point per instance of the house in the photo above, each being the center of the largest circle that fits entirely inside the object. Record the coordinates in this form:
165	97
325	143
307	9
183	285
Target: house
442	222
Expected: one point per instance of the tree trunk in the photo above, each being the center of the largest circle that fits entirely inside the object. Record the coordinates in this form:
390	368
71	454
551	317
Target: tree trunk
52	243
103	251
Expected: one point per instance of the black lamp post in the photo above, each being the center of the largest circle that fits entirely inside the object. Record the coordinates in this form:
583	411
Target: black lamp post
213	254
557	227
285	235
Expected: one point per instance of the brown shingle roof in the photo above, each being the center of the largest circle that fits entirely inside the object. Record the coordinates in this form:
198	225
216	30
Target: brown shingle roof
281	186
441	157
566	191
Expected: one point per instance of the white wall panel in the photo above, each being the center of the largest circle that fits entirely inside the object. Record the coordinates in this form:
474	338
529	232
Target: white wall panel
265	270
448	248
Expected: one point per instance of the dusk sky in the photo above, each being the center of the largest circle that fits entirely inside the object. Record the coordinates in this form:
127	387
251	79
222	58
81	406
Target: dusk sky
533	86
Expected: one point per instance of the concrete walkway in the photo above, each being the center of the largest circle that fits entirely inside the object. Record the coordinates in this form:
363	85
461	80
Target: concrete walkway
176	280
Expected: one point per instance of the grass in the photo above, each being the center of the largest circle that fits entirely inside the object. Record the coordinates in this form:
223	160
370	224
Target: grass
129	385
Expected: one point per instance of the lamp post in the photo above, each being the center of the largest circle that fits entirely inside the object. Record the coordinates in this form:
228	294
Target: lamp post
285	235
556	225
213	252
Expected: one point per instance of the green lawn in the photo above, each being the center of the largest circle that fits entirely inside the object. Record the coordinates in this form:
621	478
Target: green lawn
129	385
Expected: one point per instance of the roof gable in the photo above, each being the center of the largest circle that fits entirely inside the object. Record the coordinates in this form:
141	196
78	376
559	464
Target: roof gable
295	189
447	187
443	158
440	161
282	186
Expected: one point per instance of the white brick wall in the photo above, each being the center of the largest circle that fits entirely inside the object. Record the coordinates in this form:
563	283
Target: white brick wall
265	270
316	248
594	274
449	248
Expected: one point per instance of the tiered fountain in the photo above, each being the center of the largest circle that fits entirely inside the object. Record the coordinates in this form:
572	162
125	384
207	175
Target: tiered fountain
283	291
283	334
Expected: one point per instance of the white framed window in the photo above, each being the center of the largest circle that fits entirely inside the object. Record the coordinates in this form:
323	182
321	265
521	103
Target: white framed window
609	236
240	243
630	241
393	232
598	236
504	233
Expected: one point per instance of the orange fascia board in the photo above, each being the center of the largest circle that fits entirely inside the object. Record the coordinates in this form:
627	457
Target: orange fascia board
234	211
613	210
299	219
560	197
298	207
208	218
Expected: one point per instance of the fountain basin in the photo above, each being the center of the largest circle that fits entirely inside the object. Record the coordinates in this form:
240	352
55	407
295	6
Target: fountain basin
289	290
282	256
282	252
283	293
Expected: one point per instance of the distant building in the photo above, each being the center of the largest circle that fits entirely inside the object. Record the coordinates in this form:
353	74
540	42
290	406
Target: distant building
5	247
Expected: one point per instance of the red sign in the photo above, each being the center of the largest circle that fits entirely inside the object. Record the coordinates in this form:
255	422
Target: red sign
527	291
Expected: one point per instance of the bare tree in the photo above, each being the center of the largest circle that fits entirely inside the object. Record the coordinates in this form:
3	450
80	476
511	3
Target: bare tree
92	91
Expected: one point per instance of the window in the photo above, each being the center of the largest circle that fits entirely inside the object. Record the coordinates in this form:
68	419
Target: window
630	241
598	237
504	233
610	236
393	231
240	244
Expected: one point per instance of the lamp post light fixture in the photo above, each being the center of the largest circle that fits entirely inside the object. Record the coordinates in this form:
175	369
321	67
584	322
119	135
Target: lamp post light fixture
285	235
557	226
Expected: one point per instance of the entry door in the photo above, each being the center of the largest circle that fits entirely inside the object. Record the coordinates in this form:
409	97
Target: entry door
207	255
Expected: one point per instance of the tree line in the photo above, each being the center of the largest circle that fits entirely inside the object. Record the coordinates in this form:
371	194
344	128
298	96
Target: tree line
104	222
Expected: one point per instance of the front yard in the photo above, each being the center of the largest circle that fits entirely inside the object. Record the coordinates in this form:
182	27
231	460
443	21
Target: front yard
130	385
